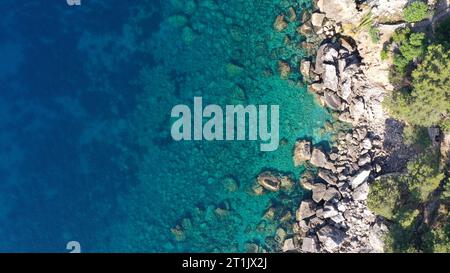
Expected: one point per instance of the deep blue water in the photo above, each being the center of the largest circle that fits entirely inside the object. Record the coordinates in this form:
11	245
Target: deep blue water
85	99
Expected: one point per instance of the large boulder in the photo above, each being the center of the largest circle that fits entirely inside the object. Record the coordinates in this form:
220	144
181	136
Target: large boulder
364	159
339	10
319	159
305	29
327	176
377	232
288	245
302	152
326	53
357	109
318	192
330	237
317	19
307	209
310	244
305	68
388	8
329	211
332	100
359	178
331	193
361	192
346	89
330	78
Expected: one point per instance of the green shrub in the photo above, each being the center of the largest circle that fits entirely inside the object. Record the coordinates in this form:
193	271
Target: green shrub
417	136
415	12
407	218
411	46
427	104
431	81
414	46
401	35
442	35
384	54
374	34
384	196
423	175
437	240
441	241
400	63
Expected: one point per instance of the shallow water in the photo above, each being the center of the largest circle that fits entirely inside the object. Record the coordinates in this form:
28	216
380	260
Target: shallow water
85	101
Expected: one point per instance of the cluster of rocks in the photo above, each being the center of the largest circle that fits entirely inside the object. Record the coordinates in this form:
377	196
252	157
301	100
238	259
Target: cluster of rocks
336	218
315	28
336	77
319	25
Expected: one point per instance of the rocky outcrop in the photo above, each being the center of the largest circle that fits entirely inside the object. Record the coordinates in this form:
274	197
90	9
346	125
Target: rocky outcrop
336	218
338	10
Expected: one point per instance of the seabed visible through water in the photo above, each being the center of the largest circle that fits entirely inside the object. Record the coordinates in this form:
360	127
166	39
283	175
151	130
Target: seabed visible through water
87	153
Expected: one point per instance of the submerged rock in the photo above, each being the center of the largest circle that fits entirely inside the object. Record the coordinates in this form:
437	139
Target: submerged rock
269	181
284	69
230	184
257	189
178	232
307	180
252	248
286	183
280	23
188	35
302	152
292	14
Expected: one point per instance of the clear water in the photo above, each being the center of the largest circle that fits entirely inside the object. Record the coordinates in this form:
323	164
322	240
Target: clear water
85	100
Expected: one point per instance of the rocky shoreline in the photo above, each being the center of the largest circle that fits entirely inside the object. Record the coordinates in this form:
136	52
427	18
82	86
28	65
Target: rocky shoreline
337	218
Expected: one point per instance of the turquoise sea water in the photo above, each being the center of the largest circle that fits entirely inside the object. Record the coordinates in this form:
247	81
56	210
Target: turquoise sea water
85	102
